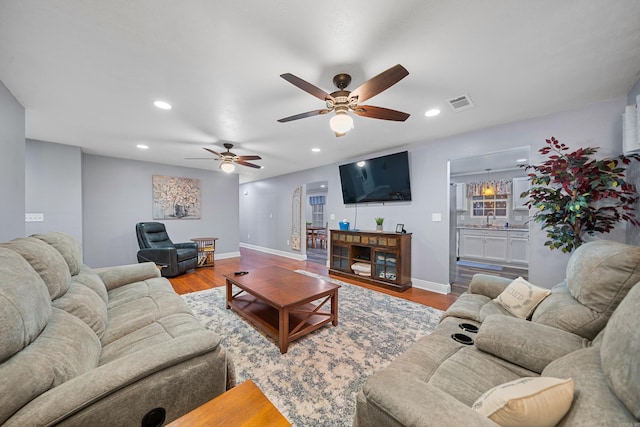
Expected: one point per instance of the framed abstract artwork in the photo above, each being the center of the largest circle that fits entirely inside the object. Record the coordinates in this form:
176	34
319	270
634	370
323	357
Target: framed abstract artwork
176	198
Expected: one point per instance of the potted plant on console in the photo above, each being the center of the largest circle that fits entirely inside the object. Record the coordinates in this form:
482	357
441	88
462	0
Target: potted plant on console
379	222
577	195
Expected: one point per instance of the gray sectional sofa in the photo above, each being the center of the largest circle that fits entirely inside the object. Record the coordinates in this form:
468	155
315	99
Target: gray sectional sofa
112	346
587	330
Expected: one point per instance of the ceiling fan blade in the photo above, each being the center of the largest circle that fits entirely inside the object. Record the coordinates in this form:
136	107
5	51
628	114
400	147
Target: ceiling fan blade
303	115
251	165
380	113
243	158
338	134
212	152
377	84
306	86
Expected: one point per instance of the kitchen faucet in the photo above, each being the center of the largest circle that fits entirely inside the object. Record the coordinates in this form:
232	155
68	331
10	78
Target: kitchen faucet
490	213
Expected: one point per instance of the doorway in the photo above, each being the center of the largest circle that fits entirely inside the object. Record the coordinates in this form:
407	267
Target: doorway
488	229
316	222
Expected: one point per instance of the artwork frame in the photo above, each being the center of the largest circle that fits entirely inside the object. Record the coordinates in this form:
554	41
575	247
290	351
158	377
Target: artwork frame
400	228
176	197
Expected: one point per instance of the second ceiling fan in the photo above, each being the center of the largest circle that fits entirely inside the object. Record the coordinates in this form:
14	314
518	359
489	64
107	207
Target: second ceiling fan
342	100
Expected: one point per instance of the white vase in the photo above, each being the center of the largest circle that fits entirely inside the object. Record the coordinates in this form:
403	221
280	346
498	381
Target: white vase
378	227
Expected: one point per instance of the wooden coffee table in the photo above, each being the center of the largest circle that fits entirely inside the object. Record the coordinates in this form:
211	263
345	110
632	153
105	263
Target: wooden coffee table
278	302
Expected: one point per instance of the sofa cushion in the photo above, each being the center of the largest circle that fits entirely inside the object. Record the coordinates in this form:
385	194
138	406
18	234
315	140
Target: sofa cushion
92	280
86	305
620	352
46	261
527	402
65	349
520	298
68	247
25	304
594	404
139	304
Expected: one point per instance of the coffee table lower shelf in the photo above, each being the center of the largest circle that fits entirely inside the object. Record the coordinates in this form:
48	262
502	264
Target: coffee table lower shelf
302	319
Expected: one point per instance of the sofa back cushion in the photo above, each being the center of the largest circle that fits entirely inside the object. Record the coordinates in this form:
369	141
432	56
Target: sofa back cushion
620	352
65	349
68	247
599	275
86	305
46	261
25	305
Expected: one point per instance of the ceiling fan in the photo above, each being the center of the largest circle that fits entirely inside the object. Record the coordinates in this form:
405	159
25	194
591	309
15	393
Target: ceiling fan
228	159
342	100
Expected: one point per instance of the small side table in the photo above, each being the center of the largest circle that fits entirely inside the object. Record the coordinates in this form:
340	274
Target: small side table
206	250
243	405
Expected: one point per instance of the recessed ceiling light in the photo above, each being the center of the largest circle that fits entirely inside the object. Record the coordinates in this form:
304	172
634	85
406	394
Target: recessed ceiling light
162	105
432	112
521	160
315	150
142	146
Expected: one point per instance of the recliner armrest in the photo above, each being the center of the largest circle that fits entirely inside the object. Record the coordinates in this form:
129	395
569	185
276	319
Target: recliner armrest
186	245
487	285
528	344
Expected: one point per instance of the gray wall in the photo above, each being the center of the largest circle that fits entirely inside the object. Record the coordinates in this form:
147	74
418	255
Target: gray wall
117	194
54	187
12	179
633	175
598	125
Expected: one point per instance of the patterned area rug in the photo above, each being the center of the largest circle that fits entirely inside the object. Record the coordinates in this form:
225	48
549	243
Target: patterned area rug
316	381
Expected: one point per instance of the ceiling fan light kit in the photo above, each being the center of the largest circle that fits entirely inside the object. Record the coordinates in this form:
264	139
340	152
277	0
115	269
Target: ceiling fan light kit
227	166
342	100
227	159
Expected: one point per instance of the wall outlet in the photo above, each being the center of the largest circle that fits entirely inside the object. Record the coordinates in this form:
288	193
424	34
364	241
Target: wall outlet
436	217
518	217
33	217
287	242
248	236
332	217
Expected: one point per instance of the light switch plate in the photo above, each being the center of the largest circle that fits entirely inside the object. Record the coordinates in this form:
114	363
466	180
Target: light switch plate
436	217
33	217
332	217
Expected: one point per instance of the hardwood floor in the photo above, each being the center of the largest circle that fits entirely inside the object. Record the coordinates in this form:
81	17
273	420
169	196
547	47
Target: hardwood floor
210	277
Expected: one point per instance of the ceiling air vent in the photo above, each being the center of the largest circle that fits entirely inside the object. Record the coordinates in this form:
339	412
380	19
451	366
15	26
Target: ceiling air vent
462	102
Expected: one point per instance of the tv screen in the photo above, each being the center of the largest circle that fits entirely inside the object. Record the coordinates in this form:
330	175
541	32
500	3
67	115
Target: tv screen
381	179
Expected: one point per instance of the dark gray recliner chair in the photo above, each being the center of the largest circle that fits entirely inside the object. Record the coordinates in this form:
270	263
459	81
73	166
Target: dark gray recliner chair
156	246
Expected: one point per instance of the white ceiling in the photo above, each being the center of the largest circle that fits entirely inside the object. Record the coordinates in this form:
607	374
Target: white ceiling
88	71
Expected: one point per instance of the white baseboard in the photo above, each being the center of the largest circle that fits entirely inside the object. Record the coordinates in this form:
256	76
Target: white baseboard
226	255
439	288
285	254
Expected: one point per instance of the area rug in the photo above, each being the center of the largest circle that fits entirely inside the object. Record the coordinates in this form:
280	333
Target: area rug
315	383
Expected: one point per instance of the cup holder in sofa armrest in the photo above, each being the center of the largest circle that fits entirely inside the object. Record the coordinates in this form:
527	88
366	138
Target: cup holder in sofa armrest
462	338
468	327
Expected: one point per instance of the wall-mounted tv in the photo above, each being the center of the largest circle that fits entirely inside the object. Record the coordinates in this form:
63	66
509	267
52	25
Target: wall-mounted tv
380	179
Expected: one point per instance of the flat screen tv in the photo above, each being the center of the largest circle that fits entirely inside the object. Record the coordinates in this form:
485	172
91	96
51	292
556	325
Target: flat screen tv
380	179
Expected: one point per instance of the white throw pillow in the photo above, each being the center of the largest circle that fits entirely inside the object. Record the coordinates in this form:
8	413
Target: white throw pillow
527	402
520	298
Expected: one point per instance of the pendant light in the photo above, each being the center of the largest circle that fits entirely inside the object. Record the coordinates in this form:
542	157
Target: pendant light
487	187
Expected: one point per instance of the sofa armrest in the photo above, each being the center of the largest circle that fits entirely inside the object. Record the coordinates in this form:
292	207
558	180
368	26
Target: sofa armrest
398	398
528	344
134	378
114	277
487	285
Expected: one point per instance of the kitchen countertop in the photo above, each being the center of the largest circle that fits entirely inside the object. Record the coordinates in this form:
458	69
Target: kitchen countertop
493	227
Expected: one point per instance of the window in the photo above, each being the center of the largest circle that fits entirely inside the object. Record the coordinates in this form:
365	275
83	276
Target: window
317	215
490	206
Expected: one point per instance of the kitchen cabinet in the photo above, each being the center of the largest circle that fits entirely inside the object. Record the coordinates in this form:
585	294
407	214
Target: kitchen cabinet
519	247
489	245
499	246
520	185
461	197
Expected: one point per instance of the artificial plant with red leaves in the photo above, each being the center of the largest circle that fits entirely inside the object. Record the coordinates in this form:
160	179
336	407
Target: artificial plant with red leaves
577	195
